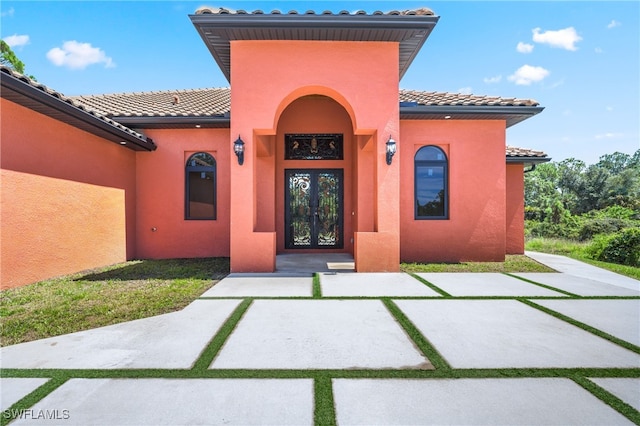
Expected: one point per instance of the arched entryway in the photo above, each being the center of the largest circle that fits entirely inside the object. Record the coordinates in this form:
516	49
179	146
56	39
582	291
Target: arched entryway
315	156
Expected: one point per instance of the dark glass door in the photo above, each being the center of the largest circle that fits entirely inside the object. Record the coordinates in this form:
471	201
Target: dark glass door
313	208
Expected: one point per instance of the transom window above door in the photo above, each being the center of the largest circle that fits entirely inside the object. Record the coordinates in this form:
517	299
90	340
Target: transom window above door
320	146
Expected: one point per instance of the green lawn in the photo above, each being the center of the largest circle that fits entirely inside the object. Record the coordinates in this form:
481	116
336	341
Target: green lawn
512	263
118	293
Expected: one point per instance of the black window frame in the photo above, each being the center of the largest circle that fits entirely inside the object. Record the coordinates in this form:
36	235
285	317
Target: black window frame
444	163
188	168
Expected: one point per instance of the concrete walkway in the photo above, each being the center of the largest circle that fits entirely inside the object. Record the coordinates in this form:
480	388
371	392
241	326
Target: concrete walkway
355	348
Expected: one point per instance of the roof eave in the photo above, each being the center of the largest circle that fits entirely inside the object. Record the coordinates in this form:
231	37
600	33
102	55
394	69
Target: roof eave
177	122
527	160
415	29
22	93
511	114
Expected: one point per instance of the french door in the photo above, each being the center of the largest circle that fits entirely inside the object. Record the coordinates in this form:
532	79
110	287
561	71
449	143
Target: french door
313	208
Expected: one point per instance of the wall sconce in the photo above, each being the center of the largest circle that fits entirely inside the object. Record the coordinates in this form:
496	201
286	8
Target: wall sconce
238	148
391	149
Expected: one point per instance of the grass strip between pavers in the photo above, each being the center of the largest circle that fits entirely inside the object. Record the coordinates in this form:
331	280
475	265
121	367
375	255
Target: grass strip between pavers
548	287
422	297
317	290
585	327
209	353
421	342
462	373
324	413
430	285
19	408
609	399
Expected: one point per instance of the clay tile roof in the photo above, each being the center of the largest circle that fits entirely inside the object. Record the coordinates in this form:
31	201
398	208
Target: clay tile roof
218	26
172	103
216	102
514	151
451	99
224	11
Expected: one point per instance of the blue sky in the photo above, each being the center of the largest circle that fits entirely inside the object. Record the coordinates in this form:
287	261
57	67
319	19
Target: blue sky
580	60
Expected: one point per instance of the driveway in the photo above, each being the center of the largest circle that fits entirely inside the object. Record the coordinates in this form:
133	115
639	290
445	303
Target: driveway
352	348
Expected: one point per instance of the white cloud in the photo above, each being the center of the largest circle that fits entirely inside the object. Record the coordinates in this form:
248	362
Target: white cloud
465	90
609	108
613	24
16	40
492	80
599	50
75	55
9	12
524	47
527	74
564	39
609	135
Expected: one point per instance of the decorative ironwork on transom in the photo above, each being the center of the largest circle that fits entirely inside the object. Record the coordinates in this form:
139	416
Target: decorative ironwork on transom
322	146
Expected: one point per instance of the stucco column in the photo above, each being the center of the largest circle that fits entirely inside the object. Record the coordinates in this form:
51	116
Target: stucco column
379	251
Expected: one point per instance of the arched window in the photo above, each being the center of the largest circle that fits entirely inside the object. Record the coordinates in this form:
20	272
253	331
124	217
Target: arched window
431	183
200	194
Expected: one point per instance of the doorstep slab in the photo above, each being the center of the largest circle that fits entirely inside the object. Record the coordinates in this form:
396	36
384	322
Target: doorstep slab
510	334
262	287
318	334
173	340
620	318
627	389
384	284
484	284
544	401
578	285
13	389
179	402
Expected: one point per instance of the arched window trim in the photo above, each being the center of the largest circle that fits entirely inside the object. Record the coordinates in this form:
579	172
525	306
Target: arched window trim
202	169
444	163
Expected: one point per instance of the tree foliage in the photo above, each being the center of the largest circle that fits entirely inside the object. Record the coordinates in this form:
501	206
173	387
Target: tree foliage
8	58
598	203
572	186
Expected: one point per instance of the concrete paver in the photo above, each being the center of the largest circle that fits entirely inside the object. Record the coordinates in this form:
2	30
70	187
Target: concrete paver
330	334
509	334
172	340
373	285
469	401
578	285
627	389
584	270
484	284
14	389
179	402
262	287
620	318
318	334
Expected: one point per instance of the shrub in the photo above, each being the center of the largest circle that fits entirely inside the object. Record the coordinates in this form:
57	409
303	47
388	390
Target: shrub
614	212
622	247
600	225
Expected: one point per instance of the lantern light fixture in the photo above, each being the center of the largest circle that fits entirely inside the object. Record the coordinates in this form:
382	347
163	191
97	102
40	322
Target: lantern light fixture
391	149
238	148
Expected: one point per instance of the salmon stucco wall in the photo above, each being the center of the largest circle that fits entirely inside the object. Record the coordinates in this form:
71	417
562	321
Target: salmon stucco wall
515	209
163	232
475	229
267	76
67	198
